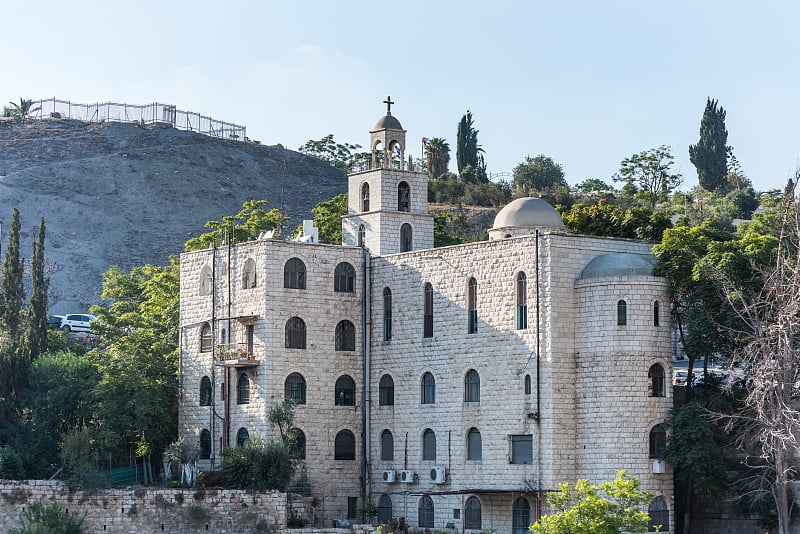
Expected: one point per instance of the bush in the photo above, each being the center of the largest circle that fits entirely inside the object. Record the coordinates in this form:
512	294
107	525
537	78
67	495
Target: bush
259	465
50	518
10	464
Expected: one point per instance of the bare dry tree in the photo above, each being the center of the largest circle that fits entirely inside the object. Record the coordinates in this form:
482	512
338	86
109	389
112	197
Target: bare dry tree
768	341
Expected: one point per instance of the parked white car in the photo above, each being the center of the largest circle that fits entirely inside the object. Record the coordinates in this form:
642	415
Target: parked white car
77	322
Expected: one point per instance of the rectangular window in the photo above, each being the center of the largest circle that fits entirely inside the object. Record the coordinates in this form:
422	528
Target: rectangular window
352	507
522	449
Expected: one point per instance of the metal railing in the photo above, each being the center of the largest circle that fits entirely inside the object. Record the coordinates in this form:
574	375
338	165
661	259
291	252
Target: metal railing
155	113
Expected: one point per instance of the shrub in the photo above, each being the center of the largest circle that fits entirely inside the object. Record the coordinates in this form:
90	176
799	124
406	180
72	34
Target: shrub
10	464
259	465
50	518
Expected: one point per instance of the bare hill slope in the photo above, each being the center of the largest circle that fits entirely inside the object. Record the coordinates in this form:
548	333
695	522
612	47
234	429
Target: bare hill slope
123	194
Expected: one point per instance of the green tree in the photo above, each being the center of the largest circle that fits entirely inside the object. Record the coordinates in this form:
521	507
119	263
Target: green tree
340	155
593	184
605	219
650	172
37	308
710	154
21	110
328	219
259	465
606	508
538	173
468	151
437	157
246	225
13	292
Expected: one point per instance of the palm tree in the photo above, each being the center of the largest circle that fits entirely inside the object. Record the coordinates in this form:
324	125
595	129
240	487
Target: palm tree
437	154
21	110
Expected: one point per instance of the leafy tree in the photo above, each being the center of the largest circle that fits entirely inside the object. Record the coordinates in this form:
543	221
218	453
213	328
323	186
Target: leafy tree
593	184
259	465
606	508
37	308
21	110
246	225
340	155
13	293
328	219
605	219
468	151
437	156
650	172
538	173
710	154
10	464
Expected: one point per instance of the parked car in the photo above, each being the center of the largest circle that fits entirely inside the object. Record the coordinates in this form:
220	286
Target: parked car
54	321
679	377
77	322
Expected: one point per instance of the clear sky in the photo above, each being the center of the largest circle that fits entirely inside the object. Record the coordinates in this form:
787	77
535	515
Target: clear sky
586	83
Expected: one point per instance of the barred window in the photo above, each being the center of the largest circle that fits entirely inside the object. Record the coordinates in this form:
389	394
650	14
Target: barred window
344	447
426	512
659	515
472	514
345	336
295	388
345	391
295	333
520	516
294	274
384	509
344	278
243	389
386	391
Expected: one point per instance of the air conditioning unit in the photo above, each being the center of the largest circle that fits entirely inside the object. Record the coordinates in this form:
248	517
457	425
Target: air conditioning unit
388	476
659	466
407	476
438	474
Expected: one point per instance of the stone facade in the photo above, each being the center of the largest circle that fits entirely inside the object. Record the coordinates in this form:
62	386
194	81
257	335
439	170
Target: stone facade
485	374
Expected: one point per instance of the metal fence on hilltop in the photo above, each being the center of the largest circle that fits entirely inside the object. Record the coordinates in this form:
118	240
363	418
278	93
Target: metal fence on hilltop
155	113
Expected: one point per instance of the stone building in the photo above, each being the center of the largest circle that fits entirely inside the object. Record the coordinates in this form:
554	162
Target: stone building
452	386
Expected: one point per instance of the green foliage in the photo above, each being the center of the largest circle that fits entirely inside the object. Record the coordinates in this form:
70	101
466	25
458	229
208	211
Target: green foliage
538	173
79	456
593	184
340	155
607	508
281	416
37	308
13	294
11	467
449	189
650	173
437	157
259	465
21	110
328	219
246	225
605	219
468	151
40	518
710	154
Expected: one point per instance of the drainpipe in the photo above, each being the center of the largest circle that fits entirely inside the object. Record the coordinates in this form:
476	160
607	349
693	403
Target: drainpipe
213	366
367	389
538	382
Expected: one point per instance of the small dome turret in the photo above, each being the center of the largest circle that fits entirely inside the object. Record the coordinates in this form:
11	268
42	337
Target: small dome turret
617	264
522	215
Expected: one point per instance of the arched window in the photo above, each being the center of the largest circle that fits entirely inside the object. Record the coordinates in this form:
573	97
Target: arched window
362	232
384	509
403	197
655	313
205	391
405	238
522	301
428	445
249	274
243	389
206	338
427	326
387	445
345	391
297	446
344	447
365	197
474	445
295	333
426	515
472	307
520	516
242	436
472	514
345	336
386	391
294	274
387	314
659	515
658	440
205	444
295	388
527	384
472	386
344	278
206	281
655	381
622	313
428	390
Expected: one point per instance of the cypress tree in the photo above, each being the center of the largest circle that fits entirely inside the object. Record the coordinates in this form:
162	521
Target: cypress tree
710	153
37	309
13	292
467	148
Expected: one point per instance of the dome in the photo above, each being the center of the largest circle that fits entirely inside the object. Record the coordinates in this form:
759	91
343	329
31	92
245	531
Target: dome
617	264
388	123
528	212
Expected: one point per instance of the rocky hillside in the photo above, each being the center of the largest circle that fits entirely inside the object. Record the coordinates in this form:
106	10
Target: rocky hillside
123	194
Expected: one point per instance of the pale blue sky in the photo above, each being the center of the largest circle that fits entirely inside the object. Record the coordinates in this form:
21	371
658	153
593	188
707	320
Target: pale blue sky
586	83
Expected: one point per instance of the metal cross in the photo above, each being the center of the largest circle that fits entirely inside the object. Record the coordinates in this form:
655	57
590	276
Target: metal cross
388	103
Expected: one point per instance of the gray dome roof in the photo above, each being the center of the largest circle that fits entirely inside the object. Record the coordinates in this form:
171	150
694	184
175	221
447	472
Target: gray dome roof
528	211
388	123
617	264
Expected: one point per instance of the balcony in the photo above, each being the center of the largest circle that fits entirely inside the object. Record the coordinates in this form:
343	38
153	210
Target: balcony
237	355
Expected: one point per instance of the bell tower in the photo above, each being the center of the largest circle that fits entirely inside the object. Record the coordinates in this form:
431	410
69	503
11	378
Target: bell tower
387	207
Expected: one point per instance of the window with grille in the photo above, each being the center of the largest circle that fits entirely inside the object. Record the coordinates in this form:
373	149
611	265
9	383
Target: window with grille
295	388
345	336
345	391
294	274
472	514
426	513
243	389
295	333
659	515
206	338
344	278
472	386
384	509
520	516
386	391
